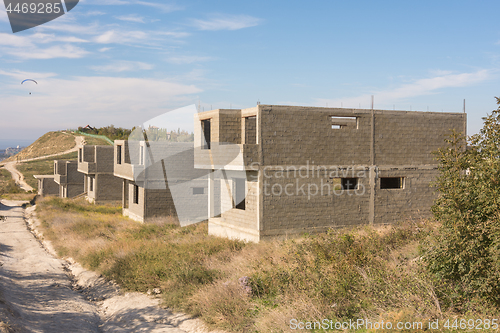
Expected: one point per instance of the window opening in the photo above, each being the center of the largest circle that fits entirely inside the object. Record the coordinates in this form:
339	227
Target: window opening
251	130
239	193
391	182
349	183
198	190
205	126
136	194
118	154
341	122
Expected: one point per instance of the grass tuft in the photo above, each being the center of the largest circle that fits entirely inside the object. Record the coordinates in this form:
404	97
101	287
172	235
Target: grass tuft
367	272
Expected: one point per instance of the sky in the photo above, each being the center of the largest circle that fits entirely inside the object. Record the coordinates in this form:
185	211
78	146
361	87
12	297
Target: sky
124	62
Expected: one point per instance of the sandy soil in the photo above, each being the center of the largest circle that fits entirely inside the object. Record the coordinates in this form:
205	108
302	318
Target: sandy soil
17	176
39	293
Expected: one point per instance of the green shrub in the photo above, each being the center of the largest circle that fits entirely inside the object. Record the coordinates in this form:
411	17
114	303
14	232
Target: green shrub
464	254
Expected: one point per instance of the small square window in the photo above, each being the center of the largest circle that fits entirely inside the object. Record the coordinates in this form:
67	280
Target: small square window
341	122
198	190
349	183
391	183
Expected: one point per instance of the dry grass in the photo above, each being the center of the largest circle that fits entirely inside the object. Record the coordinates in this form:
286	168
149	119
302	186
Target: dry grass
5	328
47	144
366	272
95	141
41	167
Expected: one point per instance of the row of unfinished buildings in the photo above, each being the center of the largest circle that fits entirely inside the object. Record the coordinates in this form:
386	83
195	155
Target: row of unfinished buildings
271	171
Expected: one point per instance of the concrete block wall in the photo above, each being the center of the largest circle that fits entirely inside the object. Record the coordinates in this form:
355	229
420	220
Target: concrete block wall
72	190
86	154
104	159
134	210
90	188
225	126
389	143
409	138
304	200
159	202
249	132
239	218
107	187
292	135
60	167
413	200
47	185
73	176
230	126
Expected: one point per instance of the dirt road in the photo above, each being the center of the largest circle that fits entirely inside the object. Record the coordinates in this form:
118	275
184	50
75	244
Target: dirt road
39	293
18	176
36	294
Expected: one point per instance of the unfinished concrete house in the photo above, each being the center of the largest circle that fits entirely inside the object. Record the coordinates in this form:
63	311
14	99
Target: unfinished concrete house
100	183
47	185
285	170
68	178
159	179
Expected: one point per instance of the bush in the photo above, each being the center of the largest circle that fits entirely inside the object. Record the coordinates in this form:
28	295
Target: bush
465	252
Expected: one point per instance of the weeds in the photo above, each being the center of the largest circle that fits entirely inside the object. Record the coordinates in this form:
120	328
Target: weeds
367	272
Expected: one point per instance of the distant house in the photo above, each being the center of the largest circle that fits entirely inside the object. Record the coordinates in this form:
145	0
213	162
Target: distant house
159	179
47	185
96	164
70	181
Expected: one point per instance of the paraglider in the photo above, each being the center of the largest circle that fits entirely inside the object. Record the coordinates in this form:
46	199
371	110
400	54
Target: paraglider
29	80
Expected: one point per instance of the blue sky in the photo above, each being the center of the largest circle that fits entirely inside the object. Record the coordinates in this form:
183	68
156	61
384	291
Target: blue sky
123	62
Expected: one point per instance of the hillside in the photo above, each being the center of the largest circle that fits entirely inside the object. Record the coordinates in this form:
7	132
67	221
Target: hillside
53	143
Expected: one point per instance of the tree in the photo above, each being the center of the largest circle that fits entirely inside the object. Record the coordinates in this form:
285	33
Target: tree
465	253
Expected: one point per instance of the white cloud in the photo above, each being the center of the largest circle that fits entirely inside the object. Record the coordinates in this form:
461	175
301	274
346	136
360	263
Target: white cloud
121	37
31	40
418	88
49	38
58	51
3	16
104	49
123	66
25	47
21	75
14	40
226	22
131	18
79	29
137	37
94	13
59	103
166	8
179	60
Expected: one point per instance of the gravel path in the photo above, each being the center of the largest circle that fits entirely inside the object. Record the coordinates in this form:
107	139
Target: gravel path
39	293
36	293
19	177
